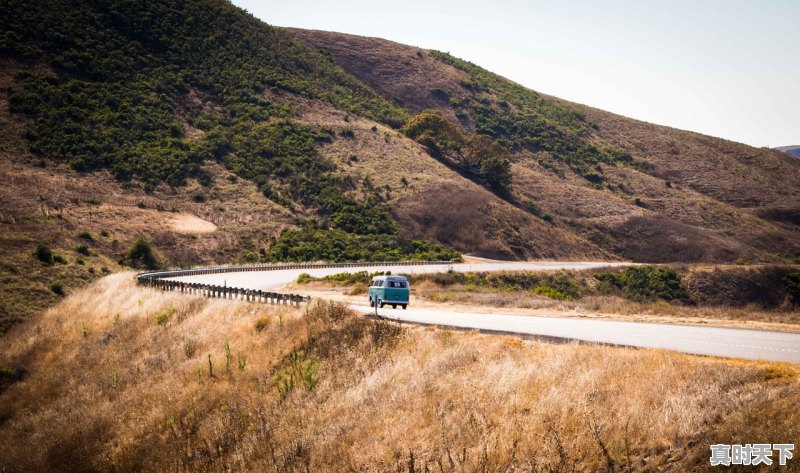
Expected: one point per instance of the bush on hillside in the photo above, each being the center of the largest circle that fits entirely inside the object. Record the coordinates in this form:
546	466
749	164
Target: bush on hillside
561	286
763	286
644	283
43	254
791	282
142	255
517	117
311	244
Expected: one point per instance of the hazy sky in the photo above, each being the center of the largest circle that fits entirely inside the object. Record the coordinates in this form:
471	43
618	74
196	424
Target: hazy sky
728	68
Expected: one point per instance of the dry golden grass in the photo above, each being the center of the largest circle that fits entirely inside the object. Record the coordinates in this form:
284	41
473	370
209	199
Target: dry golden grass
107	387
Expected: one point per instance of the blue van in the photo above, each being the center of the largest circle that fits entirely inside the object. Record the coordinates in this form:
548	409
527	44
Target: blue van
393	290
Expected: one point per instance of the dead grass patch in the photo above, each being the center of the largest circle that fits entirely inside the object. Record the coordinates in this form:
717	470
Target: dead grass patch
129	394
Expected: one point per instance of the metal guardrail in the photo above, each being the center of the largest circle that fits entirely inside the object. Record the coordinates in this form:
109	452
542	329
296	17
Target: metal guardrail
157	279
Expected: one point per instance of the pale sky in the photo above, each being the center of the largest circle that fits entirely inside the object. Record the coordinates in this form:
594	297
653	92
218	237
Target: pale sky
726	68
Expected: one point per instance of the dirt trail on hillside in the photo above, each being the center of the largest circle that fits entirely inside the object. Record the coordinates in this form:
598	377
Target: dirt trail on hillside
191	224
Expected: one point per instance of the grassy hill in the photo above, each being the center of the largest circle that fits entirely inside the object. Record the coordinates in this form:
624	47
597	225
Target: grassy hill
214	137
637	190
119	377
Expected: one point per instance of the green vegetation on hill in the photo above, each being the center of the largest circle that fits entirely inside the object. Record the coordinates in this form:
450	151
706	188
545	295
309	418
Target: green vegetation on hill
479	156
309	244
114	85
122	72
123	127
518	117
644	283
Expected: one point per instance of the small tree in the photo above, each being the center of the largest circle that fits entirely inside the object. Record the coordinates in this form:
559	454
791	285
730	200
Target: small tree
479	155
141	254
496	171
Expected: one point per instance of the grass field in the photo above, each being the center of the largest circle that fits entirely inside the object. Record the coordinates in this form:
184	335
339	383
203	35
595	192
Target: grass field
125	378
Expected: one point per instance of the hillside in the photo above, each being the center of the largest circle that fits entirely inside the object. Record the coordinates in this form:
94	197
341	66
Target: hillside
680	197
214	138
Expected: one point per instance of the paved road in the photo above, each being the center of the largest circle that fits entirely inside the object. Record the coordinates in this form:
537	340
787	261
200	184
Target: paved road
715	341
264	280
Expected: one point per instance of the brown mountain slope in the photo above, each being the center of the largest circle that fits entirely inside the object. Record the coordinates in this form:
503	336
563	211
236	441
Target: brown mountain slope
90	220
430	200
693	198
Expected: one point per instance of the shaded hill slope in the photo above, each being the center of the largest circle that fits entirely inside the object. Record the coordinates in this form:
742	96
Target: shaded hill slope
680	195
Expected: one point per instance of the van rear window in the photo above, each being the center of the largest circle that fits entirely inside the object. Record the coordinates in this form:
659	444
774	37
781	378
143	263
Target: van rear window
397	284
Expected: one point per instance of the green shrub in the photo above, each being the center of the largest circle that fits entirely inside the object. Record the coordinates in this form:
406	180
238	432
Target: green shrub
551	292
7	372
333	245
125	71
344	279
298	370
43	254
559	286
141	254
86	236
305	278
248	257
57	289
9	376
791	282
163	315
83	250
496	171
644	283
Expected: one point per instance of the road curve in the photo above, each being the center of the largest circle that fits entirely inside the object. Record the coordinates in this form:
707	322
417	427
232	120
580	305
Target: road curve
714	341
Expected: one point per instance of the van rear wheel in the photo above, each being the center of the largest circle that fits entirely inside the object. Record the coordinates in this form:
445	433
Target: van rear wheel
394	306
380	303
404	306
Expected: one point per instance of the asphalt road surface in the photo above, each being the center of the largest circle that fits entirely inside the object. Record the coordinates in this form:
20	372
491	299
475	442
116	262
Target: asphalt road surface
714	341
